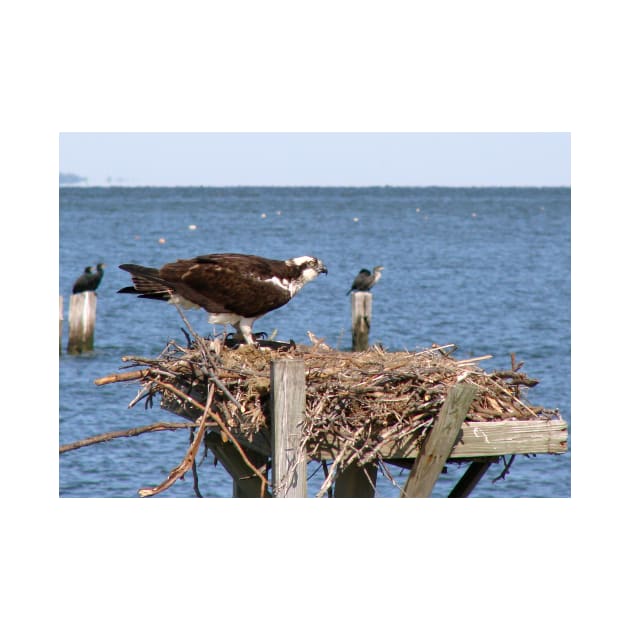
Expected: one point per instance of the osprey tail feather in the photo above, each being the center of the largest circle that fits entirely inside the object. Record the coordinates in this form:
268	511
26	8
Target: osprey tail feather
146	283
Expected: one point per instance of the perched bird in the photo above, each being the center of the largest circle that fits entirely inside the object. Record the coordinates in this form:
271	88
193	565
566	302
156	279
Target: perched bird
366	280
95	279
89	281
82	283
234	289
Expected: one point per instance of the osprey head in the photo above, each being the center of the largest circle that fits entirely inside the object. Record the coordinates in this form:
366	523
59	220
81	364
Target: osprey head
308	267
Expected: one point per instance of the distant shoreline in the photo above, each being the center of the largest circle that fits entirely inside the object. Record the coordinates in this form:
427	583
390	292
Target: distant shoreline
303	186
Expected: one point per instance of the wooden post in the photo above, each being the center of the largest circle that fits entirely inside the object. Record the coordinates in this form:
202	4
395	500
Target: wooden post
60	320
245	484
361	319
288	399
438	445
81	322
353	482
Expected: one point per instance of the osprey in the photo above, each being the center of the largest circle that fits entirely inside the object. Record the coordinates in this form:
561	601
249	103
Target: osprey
234	289
366	280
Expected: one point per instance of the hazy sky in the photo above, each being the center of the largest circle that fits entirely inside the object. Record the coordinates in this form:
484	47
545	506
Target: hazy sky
319	159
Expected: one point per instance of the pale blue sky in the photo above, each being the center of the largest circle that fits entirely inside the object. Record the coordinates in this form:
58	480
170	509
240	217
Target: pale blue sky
318	159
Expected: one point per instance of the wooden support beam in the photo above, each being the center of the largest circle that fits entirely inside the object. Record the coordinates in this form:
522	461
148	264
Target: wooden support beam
470	479
437	447
356	482
504	437
288	399
478	439
81	322
245	483
361	319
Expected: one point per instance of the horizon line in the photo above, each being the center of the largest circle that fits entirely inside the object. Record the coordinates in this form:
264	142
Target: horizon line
121	185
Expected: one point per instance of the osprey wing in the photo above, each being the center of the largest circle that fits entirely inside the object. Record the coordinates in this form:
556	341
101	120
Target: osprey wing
249	286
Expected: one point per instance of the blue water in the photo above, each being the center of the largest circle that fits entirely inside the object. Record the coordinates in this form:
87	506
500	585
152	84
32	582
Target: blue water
487	269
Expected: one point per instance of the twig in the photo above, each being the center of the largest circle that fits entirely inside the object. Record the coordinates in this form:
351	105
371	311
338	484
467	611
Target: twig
178	392
369	478
325	469
517	379
329	478
440	349
386	472
125	376
145	391
105	437
474	359
516	366
505	471
194	470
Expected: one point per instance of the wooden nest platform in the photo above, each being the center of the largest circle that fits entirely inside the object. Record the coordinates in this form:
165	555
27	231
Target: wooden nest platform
361	410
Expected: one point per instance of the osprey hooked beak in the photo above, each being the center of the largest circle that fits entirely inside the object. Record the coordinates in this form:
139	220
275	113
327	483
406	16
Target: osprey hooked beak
313	265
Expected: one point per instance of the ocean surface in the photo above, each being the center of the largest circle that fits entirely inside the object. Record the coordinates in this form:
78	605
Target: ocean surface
487	269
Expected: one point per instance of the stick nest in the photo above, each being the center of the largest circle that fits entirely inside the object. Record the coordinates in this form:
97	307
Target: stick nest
356	400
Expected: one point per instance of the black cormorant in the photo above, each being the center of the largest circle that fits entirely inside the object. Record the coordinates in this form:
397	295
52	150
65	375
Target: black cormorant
89	281
82	283
366	280
96	278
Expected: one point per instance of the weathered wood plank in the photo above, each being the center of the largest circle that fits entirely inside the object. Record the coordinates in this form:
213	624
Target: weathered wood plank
245	483
356	482
438	445
484	439
288	399
513	437
506	437
361	319
81	322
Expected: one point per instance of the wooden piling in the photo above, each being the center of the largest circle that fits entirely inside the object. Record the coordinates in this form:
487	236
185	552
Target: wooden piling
81	322
438	445
361	319
288	399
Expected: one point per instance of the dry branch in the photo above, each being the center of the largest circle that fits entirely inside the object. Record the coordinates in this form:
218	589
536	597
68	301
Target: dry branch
125	376
105	437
